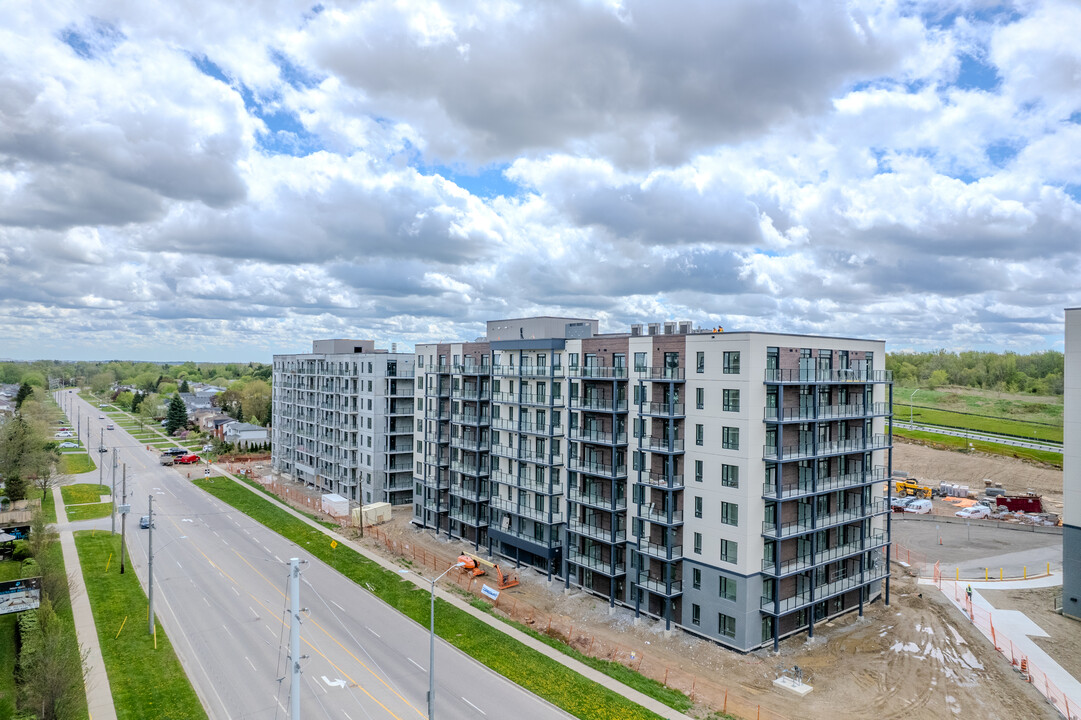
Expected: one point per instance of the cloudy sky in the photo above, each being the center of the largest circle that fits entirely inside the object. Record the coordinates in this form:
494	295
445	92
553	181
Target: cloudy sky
223	181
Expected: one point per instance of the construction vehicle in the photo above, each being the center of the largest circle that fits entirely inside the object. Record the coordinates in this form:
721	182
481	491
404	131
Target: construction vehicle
912	488
475	567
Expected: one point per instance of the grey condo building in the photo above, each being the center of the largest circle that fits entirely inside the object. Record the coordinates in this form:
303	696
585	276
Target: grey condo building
1071	469
343	420
733	484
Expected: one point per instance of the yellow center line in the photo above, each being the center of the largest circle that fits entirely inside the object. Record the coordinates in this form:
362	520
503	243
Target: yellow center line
332	638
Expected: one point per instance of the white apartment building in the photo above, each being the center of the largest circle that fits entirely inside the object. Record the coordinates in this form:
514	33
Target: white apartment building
1071	468
733	484
343	420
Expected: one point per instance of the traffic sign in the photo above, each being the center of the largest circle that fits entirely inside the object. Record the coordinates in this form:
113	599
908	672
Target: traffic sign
206	472
123	509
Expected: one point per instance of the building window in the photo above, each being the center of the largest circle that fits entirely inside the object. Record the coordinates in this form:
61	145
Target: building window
697	507
729	551
696	615
699	435
700	398
696	578
700	362
572	359
726	626
698	543
731	400
727	589
731	362
729	513
639	361
698	471
730	438
730	476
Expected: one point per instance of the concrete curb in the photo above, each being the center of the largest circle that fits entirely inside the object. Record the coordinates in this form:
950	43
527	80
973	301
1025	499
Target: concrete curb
565	660
99	695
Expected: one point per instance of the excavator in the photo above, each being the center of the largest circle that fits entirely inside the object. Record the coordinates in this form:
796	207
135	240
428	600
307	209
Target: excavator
475	567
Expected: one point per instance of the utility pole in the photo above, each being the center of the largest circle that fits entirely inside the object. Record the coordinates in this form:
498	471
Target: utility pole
123	515
294	638
101	470
114	492
150	563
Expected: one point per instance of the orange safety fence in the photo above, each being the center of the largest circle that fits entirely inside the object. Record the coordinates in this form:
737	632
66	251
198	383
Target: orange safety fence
983	619
914	559
580	636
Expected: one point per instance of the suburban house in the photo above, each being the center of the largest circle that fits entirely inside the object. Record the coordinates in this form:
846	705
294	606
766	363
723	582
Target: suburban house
212	423
194	403
244	435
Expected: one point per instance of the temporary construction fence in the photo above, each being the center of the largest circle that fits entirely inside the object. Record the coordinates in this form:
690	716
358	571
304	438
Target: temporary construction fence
581	637
914	560
984	620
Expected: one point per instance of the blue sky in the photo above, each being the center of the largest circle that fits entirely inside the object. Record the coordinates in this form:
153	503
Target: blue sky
225	182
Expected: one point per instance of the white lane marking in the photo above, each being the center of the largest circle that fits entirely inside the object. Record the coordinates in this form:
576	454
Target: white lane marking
269	630
474	707
253	668
224	541
179	565
206	601
226	629
337	606
346	715
235	591
279	560
215	533
266	548
253	612
337	682
417	664
373	632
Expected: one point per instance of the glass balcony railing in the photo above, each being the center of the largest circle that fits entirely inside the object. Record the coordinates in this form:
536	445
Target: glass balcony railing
814	375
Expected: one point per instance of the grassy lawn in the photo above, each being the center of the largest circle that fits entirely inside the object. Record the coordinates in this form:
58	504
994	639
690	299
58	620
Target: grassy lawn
949	442
83	493
88	512
532	670
76	463
146	682
9	570
980	423
1006	406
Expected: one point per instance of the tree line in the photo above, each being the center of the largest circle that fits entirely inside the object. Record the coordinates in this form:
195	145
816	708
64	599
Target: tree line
29	453
1038	373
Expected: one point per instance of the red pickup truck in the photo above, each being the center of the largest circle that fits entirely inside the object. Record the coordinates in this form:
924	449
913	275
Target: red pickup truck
187	459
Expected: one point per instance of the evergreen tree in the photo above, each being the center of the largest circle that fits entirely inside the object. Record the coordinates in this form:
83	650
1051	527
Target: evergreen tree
184	387
176	417
24	392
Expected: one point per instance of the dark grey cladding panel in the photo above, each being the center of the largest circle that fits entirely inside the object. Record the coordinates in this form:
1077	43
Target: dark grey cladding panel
542	344
1071	571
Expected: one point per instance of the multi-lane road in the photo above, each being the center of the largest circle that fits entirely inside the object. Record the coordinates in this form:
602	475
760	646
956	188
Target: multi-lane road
220	592
999	439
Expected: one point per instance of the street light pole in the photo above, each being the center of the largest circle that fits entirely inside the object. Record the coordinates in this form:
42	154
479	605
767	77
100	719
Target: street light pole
910	397
431	645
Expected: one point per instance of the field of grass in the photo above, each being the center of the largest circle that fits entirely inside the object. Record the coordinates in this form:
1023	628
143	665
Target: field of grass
949	442
75	463
83	493
1025	408
146	682
88	512
532	670
980	423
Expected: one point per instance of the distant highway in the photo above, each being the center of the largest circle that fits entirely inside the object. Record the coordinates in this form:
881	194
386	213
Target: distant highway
998	439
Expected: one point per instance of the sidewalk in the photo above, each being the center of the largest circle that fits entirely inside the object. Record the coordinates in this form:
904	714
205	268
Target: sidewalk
99	696
572	664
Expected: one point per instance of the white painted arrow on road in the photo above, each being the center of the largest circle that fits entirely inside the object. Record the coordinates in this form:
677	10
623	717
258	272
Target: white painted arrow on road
339	682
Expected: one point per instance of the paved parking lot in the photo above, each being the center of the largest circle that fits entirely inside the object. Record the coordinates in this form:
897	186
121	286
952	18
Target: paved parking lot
979	545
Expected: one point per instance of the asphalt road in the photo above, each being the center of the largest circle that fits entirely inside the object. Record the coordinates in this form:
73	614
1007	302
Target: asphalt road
220	592
1015	442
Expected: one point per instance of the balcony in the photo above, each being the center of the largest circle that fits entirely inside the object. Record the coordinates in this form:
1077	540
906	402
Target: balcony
596	499
602	403
661	552
661	445
598	437
470	419
660	374
822	522
471	394
473	369
597	468
597	372
525	398
543	487
874	541
798	489
658	516
442	438
825	412
397	465
657	586
553	518
664	409
815	376
469	517
470	444
837	447
440	460
660	480
596	532
399	408
528	371
476	469
436	507
823	592
604	567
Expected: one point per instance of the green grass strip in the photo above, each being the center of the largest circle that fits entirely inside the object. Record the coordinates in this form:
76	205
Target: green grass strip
76	464
88	512
523	665
1017	428
83	493
147	683
9	570
949	442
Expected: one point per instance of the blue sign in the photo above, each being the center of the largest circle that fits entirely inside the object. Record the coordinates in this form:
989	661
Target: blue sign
489	592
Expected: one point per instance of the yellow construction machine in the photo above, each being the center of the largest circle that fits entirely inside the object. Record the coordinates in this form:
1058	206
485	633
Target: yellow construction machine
911	488
475	567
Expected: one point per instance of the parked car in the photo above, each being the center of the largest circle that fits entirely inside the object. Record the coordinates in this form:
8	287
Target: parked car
109	426
69	445
64	434
144	522
974	512
899	503
101	417
188	459
919	507
176	451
